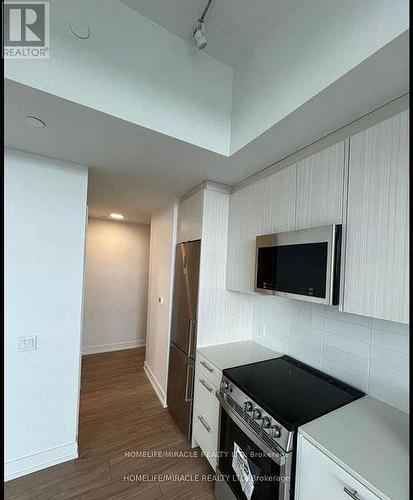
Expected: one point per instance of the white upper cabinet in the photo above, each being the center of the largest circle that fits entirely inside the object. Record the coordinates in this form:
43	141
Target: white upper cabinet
278	202
242	229
190	217
262	207
362	183
320	180
377	235
183	221
195	212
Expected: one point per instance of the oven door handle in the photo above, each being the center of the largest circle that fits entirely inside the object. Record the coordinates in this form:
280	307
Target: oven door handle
279	458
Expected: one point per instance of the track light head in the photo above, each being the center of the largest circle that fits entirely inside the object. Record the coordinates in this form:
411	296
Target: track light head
199	35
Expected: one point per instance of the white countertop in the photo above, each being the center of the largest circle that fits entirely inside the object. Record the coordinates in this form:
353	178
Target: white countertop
370	440
237	353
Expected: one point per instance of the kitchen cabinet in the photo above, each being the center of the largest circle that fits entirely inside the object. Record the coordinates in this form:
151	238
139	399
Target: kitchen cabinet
376	269
262	207
190	217
243	224
210	362
361	182
320	179
206	408
278	202
317	476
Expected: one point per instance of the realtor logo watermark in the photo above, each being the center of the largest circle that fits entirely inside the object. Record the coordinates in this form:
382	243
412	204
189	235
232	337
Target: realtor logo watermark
26	30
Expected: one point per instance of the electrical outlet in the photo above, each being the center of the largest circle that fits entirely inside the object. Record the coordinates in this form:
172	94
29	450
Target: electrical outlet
27	343
262	330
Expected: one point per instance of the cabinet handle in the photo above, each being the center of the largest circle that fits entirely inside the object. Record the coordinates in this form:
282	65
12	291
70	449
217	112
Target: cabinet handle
351	493
202	420
211	370
207	387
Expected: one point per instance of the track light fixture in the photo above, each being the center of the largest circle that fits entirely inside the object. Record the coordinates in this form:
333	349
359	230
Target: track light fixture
199	33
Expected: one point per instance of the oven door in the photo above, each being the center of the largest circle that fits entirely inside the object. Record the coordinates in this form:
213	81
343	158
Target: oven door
270	469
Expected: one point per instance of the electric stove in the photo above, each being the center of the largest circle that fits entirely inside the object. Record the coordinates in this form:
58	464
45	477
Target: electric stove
262	406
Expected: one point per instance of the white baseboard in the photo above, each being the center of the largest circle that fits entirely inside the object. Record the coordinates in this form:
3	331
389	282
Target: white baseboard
155	384
117	346
32	463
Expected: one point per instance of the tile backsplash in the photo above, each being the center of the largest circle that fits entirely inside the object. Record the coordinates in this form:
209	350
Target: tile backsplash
367	353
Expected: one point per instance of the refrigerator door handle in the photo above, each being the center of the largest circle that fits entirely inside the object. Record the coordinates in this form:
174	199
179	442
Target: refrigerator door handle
189	385
192	327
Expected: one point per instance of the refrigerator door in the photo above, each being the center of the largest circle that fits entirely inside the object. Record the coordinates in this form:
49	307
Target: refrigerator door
180	389
185	297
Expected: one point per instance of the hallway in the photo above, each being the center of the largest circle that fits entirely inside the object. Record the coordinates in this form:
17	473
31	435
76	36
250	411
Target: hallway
120	414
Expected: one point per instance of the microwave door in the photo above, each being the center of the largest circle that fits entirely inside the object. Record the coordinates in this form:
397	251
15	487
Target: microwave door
303	264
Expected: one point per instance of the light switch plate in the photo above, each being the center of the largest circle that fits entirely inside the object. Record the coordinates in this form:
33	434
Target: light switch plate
27	343
160	300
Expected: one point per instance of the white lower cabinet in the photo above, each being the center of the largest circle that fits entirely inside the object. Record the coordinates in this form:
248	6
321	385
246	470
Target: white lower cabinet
206	408
319	477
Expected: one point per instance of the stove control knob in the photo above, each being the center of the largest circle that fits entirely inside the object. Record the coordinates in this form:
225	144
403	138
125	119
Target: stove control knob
225	384
275	431
248	406
266	422
257	414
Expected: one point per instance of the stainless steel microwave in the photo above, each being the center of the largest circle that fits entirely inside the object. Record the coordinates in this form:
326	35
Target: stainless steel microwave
303	264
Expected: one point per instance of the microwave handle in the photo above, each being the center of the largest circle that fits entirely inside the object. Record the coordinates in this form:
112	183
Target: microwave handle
335	264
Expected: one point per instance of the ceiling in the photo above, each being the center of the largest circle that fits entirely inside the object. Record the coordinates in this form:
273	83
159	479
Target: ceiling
281	52
177	16
267	30
134	170
226	42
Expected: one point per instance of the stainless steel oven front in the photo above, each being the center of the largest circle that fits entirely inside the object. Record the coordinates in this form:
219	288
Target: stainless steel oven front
302	264
267	463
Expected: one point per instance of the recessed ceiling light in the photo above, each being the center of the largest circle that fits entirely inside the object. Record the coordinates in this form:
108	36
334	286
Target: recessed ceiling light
34	121
116	216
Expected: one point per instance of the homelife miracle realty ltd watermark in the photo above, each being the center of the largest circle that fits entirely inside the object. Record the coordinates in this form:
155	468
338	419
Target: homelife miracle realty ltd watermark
26	30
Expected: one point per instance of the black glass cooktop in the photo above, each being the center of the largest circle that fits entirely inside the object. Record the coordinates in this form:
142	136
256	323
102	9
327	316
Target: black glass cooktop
290	391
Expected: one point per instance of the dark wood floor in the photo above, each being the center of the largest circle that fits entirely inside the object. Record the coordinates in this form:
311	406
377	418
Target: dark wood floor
120	413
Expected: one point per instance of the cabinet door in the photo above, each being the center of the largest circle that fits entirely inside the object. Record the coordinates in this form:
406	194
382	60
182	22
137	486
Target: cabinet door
265	206
195	211
183	221
377	234
320	188
318	477
243	226
278	202
190	218
206	408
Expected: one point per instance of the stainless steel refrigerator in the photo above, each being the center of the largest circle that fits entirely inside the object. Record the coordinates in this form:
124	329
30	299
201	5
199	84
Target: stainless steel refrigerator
183	334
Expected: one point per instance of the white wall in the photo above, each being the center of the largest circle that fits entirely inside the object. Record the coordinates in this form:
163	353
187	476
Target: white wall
367	353
133	69
161	268
45	221
116	285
